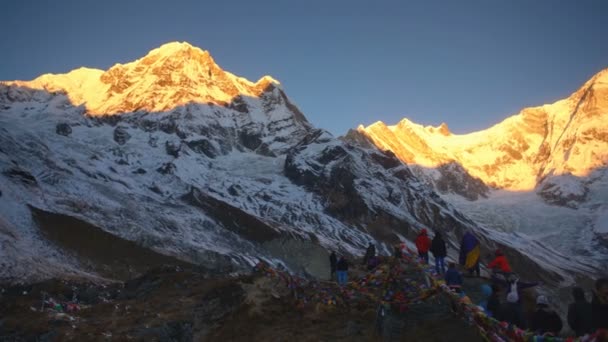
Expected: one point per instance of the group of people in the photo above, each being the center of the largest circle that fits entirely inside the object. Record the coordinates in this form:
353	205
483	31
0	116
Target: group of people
436	246
469	253
583	316
339	266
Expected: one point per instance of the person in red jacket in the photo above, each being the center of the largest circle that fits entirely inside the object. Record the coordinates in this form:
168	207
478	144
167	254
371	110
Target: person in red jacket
423	244
500	263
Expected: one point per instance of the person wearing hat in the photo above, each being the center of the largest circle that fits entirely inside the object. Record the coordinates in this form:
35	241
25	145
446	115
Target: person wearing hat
544	320
500	263
423	244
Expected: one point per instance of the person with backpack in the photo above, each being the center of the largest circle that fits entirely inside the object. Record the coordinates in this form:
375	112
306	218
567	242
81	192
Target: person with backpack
579	313
333	260
439	251
512	311
342	270
544	320
469	253
423	244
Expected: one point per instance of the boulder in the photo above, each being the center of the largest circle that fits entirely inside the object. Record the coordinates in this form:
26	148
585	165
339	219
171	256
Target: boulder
63	129
121	136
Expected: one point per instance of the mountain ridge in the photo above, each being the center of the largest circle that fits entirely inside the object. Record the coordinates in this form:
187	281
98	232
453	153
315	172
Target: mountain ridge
171	75
565	137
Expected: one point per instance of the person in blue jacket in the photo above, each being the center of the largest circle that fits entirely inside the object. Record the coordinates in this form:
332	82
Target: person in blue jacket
491	301
453	278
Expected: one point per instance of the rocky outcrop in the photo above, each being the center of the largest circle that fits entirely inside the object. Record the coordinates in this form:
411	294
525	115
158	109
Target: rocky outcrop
101	252
121	135
346	176
202	146
233	219
172	148
566	190
63	129
455	179
20	175
167	168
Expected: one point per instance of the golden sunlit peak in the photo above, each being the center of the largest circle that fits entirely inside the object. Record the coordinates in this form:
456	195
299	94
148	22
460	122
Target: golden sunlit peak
378	124
179	48
175	46
405	122
441	129
174	74
267	80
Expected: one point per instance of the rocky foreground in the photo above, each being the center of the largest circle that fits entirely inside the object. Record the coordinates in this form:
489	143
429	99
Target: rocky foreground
176	304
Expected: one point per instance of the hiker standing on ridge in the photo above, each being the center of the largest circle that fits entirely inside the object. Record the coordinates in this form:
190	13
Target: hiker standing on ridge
423	244
342	270
439	251
333	260
500	263
579	313
370	252
469	253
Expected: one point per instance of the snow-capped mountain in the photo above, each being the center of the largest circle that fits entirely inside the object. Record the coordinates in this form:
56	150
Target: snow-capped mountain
568	137
173	155
172	75
542	172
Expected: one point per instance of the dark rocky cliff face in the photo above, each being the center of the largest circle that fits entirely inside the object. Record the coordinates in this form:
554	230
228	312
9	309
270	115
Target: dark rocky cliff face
455	179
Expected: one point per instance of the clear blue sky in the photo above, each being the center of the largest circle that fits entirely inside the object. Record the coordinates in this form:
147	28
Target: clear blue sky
467	63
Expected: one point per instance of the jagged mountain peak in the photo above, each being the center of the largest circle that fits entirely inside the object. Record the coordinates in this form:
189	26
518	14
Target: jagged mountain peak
172	48
171	75
443	129
177	53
